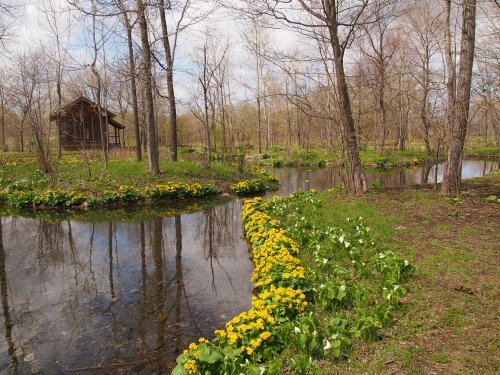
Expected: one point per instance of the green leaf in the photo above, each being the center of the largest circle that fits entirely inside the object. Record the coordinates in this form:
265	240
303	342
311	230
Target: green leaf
209	355
178	370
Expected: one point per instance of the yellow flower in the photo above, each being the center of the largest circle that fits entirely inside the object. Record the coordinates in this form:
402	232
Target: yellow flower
265	335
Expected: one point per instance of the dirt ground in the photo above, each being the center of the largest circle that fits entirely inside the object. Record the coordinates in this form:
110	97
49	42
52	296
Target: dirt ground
451	323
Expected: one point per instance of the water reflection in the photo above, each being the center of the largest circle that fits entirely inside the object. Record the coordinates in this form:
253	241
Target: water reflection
117	297
293	179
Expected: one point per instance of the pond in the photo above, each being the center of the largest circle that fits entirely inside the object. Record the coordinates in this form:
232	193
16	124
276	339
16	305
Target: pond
118	297
109	296
292	179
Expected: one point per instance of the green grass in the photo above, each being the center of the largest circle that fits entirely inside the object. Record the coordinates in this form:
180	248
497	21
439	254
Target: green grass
482	151
91	177
395	157
447	323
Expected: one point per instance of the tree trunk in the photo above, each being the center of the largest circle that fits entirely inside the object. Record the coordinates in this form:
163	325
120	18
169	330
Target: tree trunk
133	86
170	82
450	67
102	128
424	112
153	154
356	174
2	120
452	175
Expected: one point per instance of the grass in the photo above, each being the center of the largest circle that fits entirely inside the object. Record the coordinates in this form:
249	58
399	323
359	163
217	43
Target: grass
448	322
395	157
92	178
482	151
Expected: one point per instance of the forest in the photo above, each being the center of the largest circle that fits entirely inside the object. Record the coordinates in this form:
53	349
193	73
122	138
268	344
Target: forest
261	187
250	76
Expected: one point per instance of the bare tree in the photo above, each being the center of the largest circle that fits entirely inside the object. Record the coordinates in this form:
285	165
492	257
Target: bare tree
7	21
255	41
210	60
460	115
424	22
342	20
380	49
59	32
153	154
132	75
169	68
29	90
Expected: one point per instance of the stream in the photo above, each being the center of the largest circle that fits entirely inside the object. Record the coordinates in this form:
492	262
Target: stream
126	297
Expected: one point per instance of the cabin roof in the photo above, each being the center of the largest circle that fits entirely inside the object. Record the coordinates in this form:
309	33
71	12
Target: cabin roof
75	106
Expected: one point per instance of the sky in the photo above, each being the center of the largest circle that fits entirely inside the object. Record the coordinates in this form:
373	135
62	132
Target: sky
33	32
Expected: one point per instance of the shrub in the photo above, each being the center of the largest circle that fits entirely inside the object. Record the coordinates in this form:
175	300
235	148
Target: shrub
265	175
381	162
58	197
168	190
130	194
171	190
20	199
248	187
199	190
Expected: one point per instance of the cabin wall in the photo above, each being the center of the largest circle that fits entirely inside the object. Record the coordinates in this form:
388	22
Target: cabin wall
76	132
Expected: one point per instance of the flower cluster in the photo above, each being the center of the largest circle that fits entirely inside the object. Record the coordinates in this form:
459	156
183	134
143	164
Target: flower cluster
277	275
265	174
171	190
49	198
248	187
126	194
58	198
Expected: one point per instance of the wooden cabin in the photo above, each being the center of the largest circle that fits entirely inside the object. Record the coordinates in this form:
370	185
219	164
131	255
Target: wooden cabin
78	124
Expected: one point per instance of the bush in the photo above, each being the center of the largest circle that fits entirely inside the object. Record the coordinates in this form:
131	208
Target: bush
168	190
248	187
171	190
58	197
20	199
265	175
199	190
130	194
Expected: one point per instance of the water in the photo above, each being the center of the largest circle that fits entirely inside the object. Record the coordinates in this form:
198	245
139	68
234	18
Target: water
292	179
125	297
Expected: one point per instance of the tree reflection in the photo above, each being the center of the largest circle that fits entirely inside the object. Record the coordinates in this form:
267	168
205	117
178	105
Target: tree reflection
159	287
424	174
110	259
179	284
7	321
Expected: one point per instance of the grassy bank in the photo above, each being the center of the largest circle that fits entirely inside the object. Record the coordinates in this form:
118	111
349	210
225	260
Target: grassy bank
91	177
448	322
87	183
279	156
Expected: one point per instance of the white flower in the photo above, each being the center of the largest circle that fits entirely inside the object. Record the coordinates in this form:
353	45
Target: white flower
296	329
326	344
